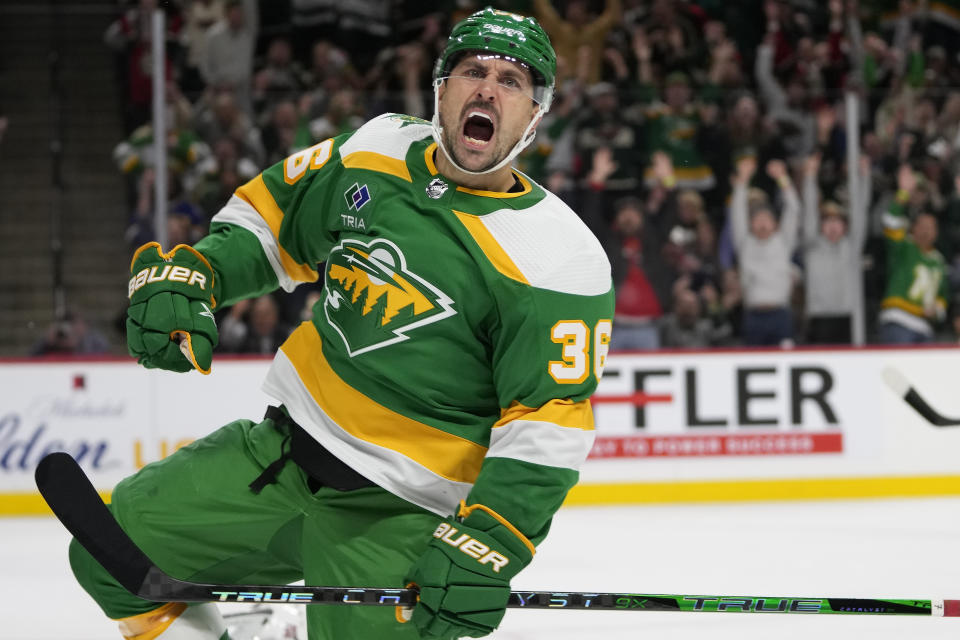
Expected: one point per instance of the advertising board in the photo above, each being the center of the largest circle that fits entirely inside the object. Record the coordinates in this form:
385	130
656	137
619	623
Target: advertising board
727	425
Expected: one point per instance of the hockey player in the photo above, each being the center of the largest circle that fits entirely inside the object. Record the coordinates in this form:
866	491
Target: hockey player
433	414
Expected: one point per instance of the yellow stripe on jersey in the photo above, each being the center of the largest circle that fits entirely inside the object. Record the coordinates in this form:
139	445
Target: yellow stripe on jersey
895	234
445	454
561	412
130	163
895	302
491	248
501	194
428	158
373	161
432	168
256	194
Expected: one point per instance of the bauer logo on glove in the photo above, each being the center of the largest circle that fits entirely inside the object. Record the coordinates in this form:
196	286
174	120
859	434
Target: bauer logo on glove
464	574
471	546
168	272
170	322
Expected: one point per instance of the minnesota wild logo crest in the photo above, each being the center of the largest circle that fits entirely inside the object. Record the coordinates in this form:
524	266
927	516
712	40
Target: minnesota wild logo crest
373	300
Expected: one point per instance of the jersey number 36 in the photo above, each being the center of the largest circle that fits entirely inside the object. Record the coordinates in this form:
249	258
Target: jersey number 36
574	335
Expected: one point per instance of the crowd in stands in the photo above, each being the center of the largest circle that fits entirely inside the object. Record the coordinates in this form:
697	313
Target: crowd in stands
703	142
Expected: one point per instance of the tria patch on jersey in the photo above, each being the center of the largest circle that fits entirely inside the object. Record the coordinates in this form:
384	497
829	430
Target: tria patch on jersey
373	300
357	196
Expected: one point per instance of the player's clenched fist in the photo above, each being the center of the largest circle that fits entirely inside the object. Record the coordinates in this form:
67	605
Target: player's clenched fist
464	575
170	323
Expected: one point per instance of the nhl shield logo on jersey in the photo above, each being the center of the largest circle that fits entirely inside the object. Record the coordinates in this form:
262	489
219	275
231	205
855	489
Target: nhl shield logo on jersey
373	300
436	188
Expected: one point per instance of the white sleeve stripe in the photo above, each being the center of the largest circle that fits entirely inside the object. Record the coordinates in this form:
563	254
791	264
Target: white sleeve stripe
894	222
240	213
541	443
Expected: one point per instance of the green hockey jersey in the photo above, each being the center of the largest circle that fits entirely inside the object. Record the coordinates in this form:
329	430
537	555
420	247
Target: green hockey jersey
916	280
459	335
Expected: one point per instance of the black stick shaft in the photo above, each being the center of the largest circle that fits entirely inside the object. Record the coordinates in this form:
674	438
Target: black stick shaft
76	503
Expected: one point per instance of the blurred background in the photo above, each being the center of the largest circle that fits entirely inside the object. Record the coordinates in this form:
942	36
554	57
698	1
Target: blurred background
685	133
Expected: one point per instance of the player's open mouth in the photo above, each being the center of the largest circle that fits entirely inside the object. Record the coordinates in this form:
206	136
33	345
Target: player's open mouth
478	129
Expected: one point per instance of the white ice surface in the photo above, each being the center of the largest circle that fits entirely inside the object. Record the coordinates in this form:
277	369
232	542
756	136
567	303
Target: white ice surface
889	548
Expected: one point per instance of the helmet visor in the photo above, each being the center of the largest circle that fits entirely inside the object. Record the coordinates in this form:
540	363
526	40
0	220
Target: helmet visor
516	79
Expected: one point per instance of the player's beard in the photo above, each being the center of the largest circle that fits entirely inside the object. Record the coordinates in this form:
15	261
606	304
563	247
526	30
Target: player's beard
451	137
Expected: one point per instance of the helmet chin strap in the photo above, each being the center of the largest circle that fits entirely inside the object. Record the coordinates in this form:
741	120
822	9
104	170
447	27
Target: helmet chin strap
528	135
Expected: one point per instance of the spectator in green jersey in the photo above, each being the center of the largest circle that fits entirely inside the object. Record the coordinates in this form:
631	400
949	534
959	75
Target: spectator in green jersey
916	293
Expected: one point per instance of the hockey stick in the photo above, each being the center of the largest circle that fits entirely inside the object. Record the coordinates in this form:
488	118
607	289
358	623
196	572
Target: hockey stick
76	503
902	387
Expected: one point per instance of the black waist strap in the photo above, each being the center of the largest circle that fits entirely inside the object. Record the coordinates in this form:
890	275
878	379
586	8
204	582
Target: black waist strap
323	469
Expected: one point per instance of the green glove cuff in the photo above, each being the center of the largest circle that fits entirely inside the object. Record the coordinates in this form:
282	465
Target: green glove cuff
170	322
464	575
485	543
486	519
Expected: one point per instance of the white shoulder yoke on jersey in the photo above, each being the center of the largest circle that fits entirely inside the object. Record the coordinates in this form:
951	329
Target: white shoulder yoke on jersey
382	144
545	245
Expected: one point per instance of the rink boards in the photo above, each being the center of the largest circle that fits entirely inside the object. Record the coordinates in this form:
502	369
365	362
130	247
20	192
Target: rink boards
671	427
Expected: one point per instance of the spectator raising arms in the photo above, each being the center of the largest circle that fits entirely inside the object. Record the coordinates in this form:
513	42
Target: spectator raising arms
576	29
640	277
764	247
228	49
129	36
655	102
832	244
198	16
917	289
674	126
